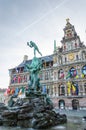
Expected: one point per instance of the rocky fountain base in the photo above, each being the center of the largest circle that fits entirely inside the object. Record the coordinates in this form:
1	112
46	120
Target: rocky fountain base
31	113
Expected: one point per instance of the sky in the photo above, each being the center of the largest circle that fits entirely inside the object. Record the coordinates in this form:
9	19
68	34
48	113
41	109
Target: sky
41	21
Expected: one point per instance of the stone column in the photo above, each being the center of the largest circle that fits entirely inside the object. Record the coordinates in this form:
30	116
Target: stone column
79	89
56	90
65	90
83	88
53	90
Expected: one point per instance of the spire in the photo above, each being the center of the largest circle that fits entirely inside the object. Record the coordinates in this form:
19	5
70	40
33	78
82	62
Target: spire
54	45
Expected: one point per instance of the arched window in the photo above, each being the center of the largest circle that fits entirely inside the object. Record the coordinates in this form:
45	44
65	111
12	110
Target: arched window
77	57
83	55
71	73
65	59
64	47
46	75
75	104
60	74
48	90
55	75
84	71
85	88
60	60
61	104
75	45
61	90
71	45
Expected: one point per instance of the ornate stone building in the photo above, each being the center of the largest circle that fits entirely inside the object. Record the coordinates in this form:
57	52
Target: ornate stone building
63	76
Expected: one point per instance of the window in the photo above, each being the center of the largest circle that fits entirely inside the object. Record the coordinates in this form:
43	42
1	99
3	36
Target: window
61	90
61	104
81	88
69	47
61	74
65	59
55	75
75	45
46	75
75	104
84	70
77	57
83	55
73	72
85	88
64	47
60	60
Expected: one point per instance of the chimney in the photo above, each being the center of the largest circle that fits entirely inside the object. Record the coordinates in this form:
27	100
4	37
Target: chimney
25	58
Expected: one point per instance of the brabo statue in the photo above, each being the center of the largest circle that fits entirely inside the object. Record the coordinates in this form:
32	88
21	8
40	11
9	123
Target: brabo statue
34	86
32	44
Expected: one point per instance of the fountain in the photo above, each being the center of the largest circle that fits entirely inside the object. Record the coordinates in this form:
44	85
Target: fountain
36	109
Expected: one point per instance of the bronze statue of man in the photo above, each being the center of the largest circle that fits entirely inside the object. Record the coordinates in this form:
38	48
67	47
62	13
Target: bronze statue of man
32	44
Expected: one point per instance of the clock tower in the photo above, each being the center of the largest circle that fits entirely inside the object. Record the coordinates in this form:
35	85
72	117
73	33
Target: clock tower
71	42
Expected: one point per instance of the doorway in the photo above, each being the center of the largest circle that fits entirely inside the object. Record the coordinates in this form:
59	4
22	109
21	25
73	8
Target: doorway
75	104
61	104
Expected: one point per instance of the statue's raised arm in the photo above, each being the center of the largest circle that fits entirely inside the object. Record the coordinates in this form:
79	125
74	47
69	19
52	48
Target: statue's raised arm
29	45
32	44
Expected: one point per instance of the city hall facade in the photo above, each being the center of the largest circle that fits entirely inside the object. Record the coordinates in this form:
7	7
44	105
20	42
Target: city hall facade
63	75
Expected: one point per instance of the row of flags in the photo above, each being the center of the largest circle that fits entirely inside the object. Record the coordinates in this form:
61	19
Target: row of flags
14	92
19	91
72	87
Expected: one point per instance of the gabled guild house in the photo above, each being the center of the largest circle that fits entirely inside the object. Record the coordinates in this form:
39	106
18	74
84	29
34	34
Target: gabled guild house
63	75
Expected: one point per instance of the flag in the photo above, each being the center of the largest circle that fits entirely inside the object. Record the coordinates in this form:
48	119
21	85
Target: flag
8	91
69	87
44	89
5	93
73	88
68	75
19	79
82	75
77	77
77	89
21	91
16	92
12	91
